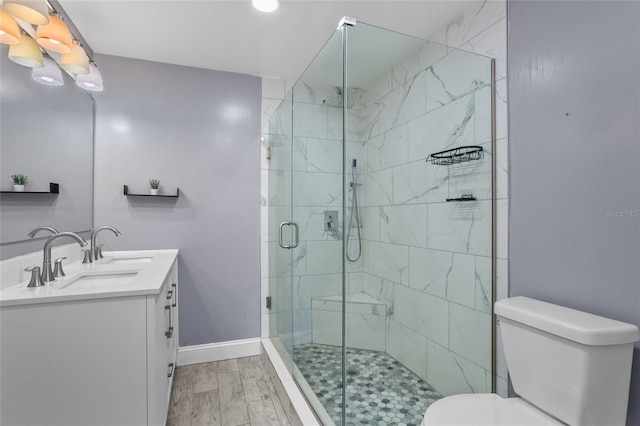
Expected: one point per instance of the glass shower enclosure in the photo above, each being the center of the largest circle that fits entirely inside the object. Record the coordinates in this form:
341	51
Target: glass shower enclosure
381	212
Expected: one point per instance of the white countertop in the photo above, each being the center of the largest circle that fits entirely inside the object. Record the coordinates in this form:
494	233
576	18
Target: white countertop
146	277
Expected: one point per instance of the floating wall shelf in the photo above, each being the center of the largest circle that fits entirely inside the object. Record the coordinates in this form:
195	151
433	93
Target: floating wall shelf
126	192
54	188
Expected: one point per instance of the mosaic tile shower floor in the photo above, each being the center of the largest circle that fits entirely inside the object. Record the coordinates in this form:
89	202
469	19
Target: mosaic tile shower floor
380	390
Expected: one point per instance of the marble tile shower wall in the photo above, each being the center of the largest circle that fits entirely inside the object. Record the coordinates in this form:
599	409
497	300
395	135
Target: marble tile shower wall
431	259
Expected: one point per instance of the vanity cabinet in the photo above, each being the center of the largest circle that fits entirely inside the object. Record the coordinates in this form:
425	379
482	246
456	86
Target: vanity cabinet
97	361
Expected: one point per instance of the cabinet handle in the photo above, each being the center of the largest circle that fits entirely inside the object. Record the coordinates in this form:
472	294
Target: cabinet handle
170	370
170	295
169	331
175	294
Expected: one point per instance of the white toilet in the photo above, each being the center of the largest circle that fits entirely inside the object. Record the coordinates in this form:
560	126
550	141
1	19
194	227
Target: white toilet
567	366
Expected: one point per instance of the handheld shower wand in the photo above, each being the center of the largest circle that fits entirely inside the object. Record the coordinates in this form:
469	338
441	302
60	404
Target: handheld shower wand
354	214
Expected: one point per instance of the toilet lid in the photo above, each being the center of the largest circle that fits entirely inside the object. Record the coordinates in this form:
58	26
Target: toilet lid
484	409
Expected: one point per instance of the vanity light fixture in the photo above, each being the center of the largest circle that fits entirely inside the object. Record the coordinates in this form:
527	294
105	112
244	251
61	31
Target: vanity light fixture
265	5
33	11
55	36
9	31
91	81
26	53
49	74
76	61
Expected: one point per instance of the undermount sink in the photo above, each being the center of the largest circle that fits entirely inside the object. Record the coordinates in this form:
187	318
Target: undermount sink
98	279
121	260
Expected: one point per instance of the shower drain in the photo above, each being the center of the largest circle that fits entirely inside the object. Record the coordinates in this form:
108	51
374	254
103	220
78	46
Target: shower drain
352	371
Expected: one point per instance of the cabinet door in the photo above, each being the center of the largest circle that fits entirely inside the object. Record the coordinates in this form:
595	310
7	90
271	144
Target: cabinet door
160	333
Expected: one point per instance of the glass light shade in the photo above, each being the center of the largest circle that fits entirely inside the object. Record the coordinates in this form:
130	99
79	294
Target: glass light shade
75	61
49	74
27	53
265	5
91	81
33	11
55	36
9	31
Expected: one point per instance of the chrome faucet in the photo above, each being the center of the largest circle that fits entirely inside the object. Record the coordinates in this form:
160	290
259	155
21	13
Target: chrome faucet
47	272
95	252
37	229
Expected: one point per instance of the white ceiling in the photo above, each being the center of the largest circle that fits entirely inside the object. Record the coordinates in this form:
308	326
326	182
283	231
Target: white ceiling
232	36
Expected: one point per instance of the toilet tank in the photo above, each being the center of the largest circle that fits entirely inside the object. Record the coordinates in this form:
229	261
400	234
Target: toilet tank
573	365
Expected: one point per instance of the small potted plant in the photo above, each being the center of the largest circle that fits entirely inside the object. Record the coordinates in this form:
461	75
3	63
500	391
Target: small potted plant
19	181
154	186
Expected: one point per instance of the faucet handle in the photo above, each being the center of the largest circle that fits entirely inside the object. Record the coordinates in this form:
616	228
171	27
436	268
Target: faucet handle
36	280
99	252
57	271
87	256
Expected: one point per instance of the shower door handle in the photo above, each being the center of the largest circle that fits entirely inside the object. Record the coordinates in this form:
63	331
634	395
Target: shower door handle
297	235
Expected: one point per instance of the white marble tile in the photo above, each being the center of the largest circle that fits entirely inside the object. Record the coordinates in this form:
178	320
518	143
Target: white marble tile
310	120
456	75
408	347
371	223
388	261
264	260
461	227
432	52
311	93
447	127
307	287
326	327
355	282
302	327
502	237
425	314
419	182
402	71
502	113
483	121
491	42
269	107
474	20
280	122
483	284
451	374
264	187
473	177
388	149
379	289
401	105
324	257
378	188
502	278
317	189
310	221
502	169
404	224
470	334
366	331
355	124
443	274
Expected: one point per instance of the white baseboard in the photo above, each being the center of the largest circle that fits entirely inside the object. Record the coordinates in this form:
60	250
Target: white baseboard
198	354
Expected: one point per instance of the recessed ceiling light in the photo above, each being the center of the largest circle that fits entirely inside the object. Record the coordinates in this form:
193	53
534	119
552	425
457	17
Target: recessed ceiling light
265	5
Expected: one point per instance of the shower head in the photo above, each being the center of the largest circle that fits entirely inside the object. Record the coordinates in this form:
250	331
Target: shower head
336	98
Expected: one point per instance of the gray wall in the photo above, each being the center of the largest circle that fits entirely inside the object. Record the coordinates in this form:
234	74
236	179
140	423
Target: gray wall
197	130
574	103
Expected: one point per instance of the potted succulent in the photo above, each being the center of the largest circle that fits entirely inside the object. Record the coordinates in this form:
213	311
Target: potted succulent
154	186
19	181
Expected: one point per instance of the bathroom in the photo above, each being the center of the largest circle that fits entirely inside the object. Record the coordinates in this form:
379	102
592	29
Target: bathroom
223	221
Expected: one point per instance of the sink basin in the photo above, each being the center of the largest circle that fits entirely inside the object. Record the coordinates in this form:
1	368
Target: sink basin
98	280
121	260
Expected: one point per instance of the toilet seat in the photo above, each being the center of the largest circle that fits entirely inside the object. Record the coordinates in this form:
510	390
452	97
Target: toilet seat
484	409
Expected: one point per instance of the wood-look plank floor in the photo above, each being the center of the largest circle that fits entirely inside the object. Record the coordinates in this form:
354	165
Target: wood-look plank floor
225	393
